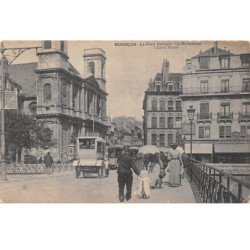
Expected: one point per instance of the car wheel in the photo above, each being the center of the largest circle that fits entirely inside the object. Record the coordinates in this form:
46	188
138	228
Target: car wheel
107	172
77	173
100	172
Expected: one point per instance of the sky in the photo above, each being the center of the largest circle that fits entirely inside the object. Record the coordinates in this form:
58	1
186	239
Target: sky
129	68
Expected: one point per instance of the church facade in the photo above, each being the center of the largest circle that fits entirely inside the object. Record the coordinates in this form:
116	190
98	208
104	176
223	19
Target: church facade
68	103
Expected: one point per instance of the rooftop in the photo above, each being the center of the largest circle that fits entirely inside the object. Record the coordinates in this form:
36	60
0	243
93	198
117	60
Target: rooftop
175	78
214	52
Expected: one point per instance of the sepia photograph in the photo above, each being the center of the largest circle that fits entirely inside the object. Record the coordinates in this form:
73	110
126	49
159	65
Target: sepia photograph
125	121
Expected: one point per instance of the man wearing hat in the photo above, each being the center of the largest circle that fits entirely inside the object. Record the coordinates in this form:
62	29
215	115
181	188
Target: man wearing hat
125	174
48	161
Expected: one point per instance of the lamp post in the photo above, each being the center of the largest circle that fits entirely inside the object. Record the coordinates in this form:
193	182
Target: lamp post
15	53
191	112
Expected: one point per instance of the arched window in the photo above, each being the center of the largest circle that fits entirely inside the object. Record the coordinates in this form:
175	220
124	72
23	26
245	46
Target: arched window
154	122
154	139
32	108
170	139
47	44
47	92
162	140
170	122
178	105
162	105
91	68
170	105
178	122
162	122
154	104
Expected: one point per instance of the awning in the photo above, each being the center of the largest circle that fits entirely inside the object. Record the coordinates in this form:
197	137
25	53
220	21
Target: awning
232	147
199	148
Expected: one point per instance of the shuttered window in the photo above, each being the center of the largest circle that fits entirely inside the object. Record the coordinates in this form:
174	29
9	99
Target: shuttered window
170	139
162	140
154	104
154	122
154	139
162	105
225	132
170	122
204	108
162	122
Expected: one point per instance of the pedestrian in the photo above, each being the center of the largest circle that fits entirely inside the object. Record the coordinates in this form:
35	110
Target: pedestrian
125	175
48	161
154	170
40	161
143	189
175	166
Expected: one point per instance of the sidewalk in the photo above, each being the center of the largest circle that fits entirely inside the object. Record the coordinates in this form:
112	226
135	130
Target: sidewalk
22	177
166	194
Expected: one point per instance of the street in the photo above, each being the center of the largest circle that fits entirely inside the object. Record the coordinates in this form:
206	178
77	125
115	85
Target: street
64	188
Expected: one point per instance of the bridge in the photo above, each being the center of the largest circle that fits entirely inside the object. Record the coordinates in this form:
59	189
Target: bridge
203	183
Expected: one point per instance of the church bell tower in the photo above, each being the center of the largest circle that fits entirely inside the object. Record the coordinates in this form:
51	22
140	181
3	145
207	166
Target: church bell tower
94	63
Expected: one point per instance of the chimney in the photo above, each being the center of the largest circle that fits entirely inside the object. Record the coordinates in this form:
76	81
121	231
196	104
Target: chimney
165	69
215	47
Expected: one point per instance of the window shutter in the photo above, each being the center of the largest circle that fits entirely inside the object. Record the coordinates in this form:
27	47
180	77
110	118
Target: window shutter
201	132
243	131
222	132
228	131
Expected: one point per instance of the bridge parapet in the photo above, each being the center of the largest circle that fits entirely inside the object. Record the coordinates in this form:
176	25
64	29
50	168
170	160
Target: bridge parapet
213	185
21	168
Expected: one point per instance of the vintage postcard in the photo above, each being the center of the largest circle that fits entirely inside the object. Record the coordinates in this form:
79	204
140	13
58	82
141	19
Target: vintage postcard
125	121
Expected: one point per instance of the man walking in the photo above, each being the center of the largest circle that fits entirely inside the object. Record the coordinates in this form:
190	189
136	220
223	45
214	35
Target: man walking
48	161
125	175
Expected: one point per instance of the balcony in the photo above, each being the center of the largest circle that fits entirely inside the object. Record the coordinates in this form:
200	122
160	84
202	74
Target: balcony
232	90
244	117
204	117
222	117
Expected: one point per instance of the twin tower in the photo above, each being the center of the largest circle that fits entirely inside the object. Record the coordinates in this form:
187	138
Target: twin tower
54	54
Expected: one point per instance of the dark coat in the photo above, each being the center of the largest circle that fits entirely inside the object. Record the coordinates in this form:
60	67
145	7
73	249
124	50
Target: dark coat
48	160
125	164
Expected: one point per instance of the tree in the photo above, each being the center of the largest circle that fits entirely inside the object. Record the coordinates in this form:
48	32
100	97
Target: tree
23	131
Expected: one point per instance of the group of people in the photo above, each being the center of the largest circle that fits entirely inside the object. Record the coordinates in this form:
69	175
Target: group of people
150	169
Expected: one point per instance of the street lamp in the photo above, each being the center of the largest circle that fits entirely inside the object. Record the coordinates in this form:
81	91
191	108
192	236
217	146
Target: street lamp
15	53
191	112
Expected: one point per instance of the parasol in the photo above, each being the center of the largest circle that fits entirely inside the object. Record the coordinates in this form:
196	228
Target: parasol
148	149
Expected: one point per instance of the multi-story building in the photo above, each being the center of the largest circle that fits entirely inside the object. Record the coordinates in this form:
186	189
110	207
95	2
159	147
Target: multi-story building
163	109
217	84
68	103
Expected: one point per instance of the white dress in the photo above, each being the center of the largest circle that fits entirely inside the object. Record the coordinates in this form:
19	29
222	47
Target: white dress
144	186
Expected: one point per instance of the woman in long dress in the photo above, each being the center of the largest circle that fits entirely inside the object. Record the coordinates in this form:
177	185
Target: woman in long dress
175	166
154	170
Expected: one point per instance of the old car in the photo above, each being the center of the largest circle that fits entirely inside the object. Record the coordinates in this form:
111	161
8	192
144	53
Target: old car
90	157
113	153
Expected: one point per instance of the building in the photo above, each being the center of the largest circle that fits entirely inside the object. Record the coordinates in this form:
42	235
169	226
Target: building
217	84
126	131
69	103
163	109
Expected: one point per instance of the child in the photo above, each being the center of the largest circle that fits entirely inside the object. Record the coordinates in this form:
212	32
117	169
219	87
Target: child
143	189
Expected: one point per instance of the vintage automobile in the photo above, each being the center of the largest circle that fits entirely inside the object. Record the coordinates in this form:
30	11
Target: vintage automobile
90	156
113	153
